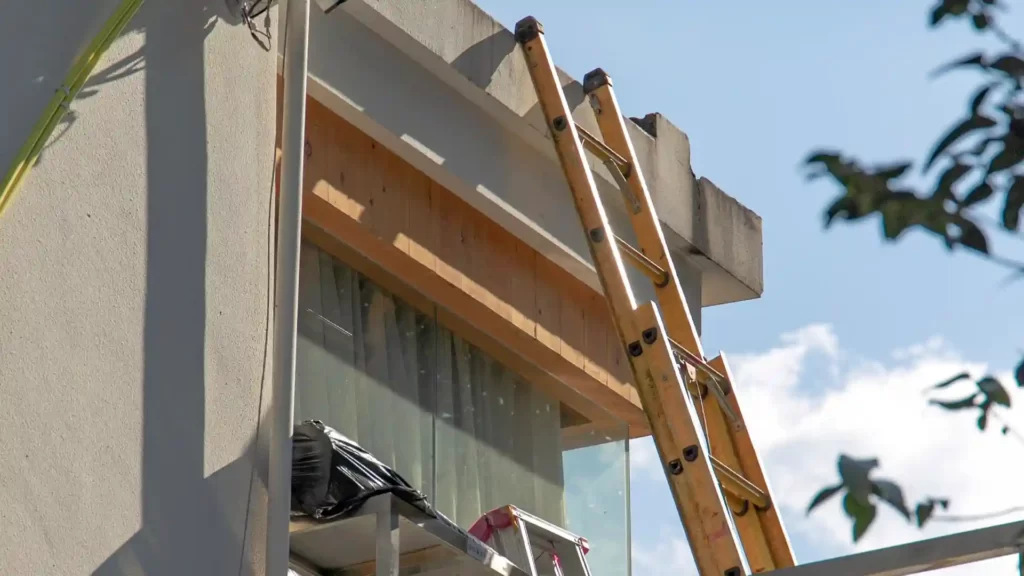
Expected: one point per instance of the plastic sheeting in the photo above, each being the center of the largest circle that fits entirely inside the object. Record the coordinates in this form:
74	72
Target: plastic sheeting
333	476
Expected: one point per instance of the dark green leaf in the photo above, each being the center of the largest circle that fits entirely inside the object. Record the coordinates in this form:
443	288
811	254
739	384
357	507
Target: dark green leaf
1005	430
845	207
973	122
1016	125
1009	65
972	237
924	512
994	391
980	193
980	21
948	8
854	473
822	157
983	420
926	508
893	171
862	512
823	495
944	189
977	59
898	213
953	380
1009	156
825	162
962	404
891	493
1019	374
1013	205
979	98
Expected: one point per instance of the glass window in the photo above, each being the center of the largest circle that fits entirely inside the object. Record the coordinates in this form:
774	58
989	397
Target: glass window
365	366
596	473
461	427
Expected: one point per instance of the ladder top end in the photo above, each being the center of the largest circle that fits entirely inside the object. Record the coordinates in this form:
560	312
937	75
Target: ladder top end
595	79
527	29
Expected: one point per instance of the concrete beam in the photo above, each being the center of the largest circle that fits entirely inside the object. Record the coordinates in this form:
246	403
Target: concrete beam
443	85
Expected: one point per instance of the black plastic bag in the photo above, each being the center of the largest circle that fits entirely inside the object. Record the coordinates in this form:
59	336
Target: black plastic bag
333	476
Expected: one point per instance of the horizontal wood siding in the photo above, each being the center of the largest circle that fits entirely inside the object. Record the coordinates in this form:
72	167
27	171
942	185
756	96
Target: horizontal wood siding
502	286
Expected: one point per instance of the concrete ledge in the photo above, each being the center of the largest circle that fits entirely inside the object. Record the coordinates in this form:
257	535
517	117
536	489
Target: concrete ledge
443	84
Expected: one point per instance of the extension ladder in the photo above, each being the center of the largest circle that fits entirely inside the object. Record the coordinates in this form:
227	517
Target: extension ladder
704	484
537	546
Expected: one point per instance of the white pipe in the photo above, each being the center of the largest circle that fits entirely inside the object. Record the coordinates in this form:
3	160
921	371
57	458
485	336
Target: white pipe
286	298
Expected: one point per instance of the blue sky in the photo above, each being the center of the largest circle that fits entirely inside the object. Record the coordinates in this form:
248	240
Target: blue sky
756	86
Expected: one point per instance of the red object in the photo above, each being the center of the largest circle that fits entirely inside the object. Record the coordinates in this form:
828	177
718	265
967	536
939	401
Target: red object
497	519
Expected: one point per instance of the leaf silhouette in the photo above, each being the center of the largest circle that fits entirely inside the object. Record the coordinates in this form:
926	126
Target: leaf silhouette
951	381
976	59
823	495
962	404
980	193
994	391
1013	205
862	512
973	122
892	494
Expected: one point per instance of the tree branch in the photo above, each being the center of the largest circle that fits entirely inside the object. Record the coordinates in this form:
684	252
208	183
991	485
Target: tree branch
976	517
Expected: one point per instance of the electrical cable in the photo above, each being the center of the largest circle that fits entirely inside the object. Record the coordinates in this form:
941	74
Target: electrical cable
251	10
60	104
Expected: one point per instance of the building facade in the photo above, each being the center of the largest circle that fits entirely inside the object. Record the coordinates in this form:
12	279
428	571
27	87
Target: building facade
450	319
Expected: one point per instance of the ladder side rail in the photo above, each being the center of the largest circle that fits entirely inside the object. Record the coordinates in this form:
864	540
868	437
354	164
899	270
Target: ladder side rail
751	467
670	412
597	86
748	523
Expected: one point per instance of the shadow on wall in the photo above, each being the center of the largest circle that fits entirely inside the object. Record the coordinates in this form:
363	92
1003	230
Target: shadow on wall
479	62
214	11
190	524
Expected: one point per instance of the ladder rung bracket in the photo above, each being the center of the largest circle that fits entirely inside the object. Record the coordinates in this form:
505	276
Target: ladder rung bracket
716	383
739	486
595	146
656	273
632	201
617	166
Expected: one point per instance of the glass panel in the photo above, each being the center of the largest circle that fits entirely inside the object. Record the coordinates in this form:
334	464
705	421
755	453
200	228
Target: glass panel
596	465
497	437
365	366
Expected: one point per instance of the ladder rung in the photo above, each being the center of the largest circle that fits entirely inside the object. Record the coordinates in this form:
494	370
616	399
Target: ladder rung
600	149
618	166
714	381
656	273
739	486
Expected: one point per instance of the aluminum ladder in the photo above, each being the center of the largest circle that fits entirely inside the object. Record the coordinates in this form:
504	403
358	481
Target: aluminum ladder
537	546
710	477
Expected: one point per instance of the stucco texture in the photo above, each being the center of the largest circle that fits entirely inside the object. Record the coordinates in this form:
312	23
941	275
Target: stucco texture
134	282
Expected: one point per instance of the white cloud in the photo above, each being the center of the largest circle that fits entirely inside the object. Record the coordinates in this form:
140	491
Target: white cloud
867	409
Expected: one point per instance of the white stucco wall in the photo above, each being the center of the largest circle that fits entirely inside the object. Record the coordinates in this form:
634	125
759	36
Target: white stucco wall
134	294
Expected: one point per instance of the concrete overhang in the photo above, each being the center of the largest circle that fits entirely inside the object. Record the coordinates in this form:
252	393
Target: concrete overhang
445	87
